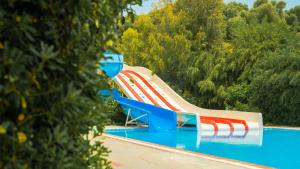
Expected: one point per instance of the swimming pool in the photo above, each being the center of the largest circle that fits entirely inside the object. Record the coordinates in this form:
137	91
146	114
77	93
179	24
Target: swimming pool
277	148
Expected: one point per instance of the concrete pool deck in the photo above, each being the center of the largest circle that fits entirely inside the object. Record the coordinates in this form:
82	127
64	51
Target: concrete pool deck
131	154
127	155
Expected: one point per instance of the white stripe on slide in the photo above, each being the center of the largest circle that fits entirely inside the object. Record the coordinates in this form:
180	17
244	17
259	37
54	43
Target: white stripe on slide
158	94
150	92
136	89
223	129
159	90
125	88
239	127
146	94
206	127
163	94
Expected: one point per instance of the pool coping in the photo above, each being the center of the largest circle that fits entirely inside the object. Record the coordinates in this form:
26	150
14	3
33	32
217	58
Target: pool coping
187	152
282	127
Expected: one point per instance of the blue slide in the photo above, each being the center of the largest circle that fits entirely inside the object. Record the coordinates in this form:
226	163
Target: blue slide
157	118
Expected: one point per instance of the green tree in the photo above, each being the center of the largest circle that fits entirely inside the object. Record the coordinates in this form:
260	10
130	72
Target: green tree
266	13
275	89
293	18
206	16
48	92
233	9
132	46
258	3
158	41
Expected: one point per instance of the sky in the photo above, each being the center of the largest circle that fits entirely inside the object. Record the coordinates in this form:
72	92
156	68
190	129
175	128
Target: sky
147	4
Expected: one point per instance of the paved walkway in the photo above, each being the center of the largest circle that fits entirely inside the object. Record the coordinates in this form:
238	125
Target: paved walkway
127	155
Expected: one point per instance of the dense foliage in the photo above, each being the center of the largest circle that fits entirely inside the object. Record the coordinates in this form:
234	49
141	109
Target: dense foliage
224	56
48	82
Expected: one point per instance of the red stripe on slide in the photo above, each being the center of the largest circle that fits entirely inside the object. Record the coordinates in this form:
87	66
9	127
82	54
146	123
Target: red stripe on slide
206	121
152	89
226	121
130	88
141	88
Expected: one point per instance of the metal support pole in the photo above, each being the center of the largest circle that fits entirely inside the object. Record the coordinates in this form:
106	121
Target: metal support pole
132	120
127	118
137	118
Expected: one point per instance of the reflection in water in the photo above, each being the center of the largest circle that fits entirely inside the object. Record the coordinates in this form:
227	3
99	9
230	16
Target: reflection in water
192	139
250	137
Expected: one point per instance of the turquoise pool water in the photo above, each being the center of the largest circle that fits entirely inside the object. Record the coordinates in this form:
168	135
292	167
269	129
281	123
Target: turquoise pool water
279	148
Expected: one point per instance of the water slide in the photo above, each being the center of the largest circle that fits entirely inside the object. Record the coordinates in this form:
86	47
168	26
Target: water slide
143	86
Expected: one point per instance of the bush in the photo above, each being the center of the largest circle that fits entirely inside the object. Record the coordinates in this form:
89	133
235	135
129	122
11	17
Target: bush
48	101
118	117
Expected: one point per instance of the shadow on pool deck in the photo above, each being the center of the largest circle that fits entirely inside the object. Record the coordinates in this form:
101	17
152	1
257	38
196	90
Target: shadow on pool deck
127	155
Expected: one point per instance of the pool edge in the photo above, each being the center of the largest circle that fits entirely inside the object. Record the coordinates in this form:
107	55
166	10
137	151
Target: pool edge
190	153
282	127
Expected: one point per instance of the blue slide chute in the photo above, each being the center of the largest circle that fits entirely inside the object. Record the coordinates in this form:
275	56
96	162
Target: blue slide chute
158	119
